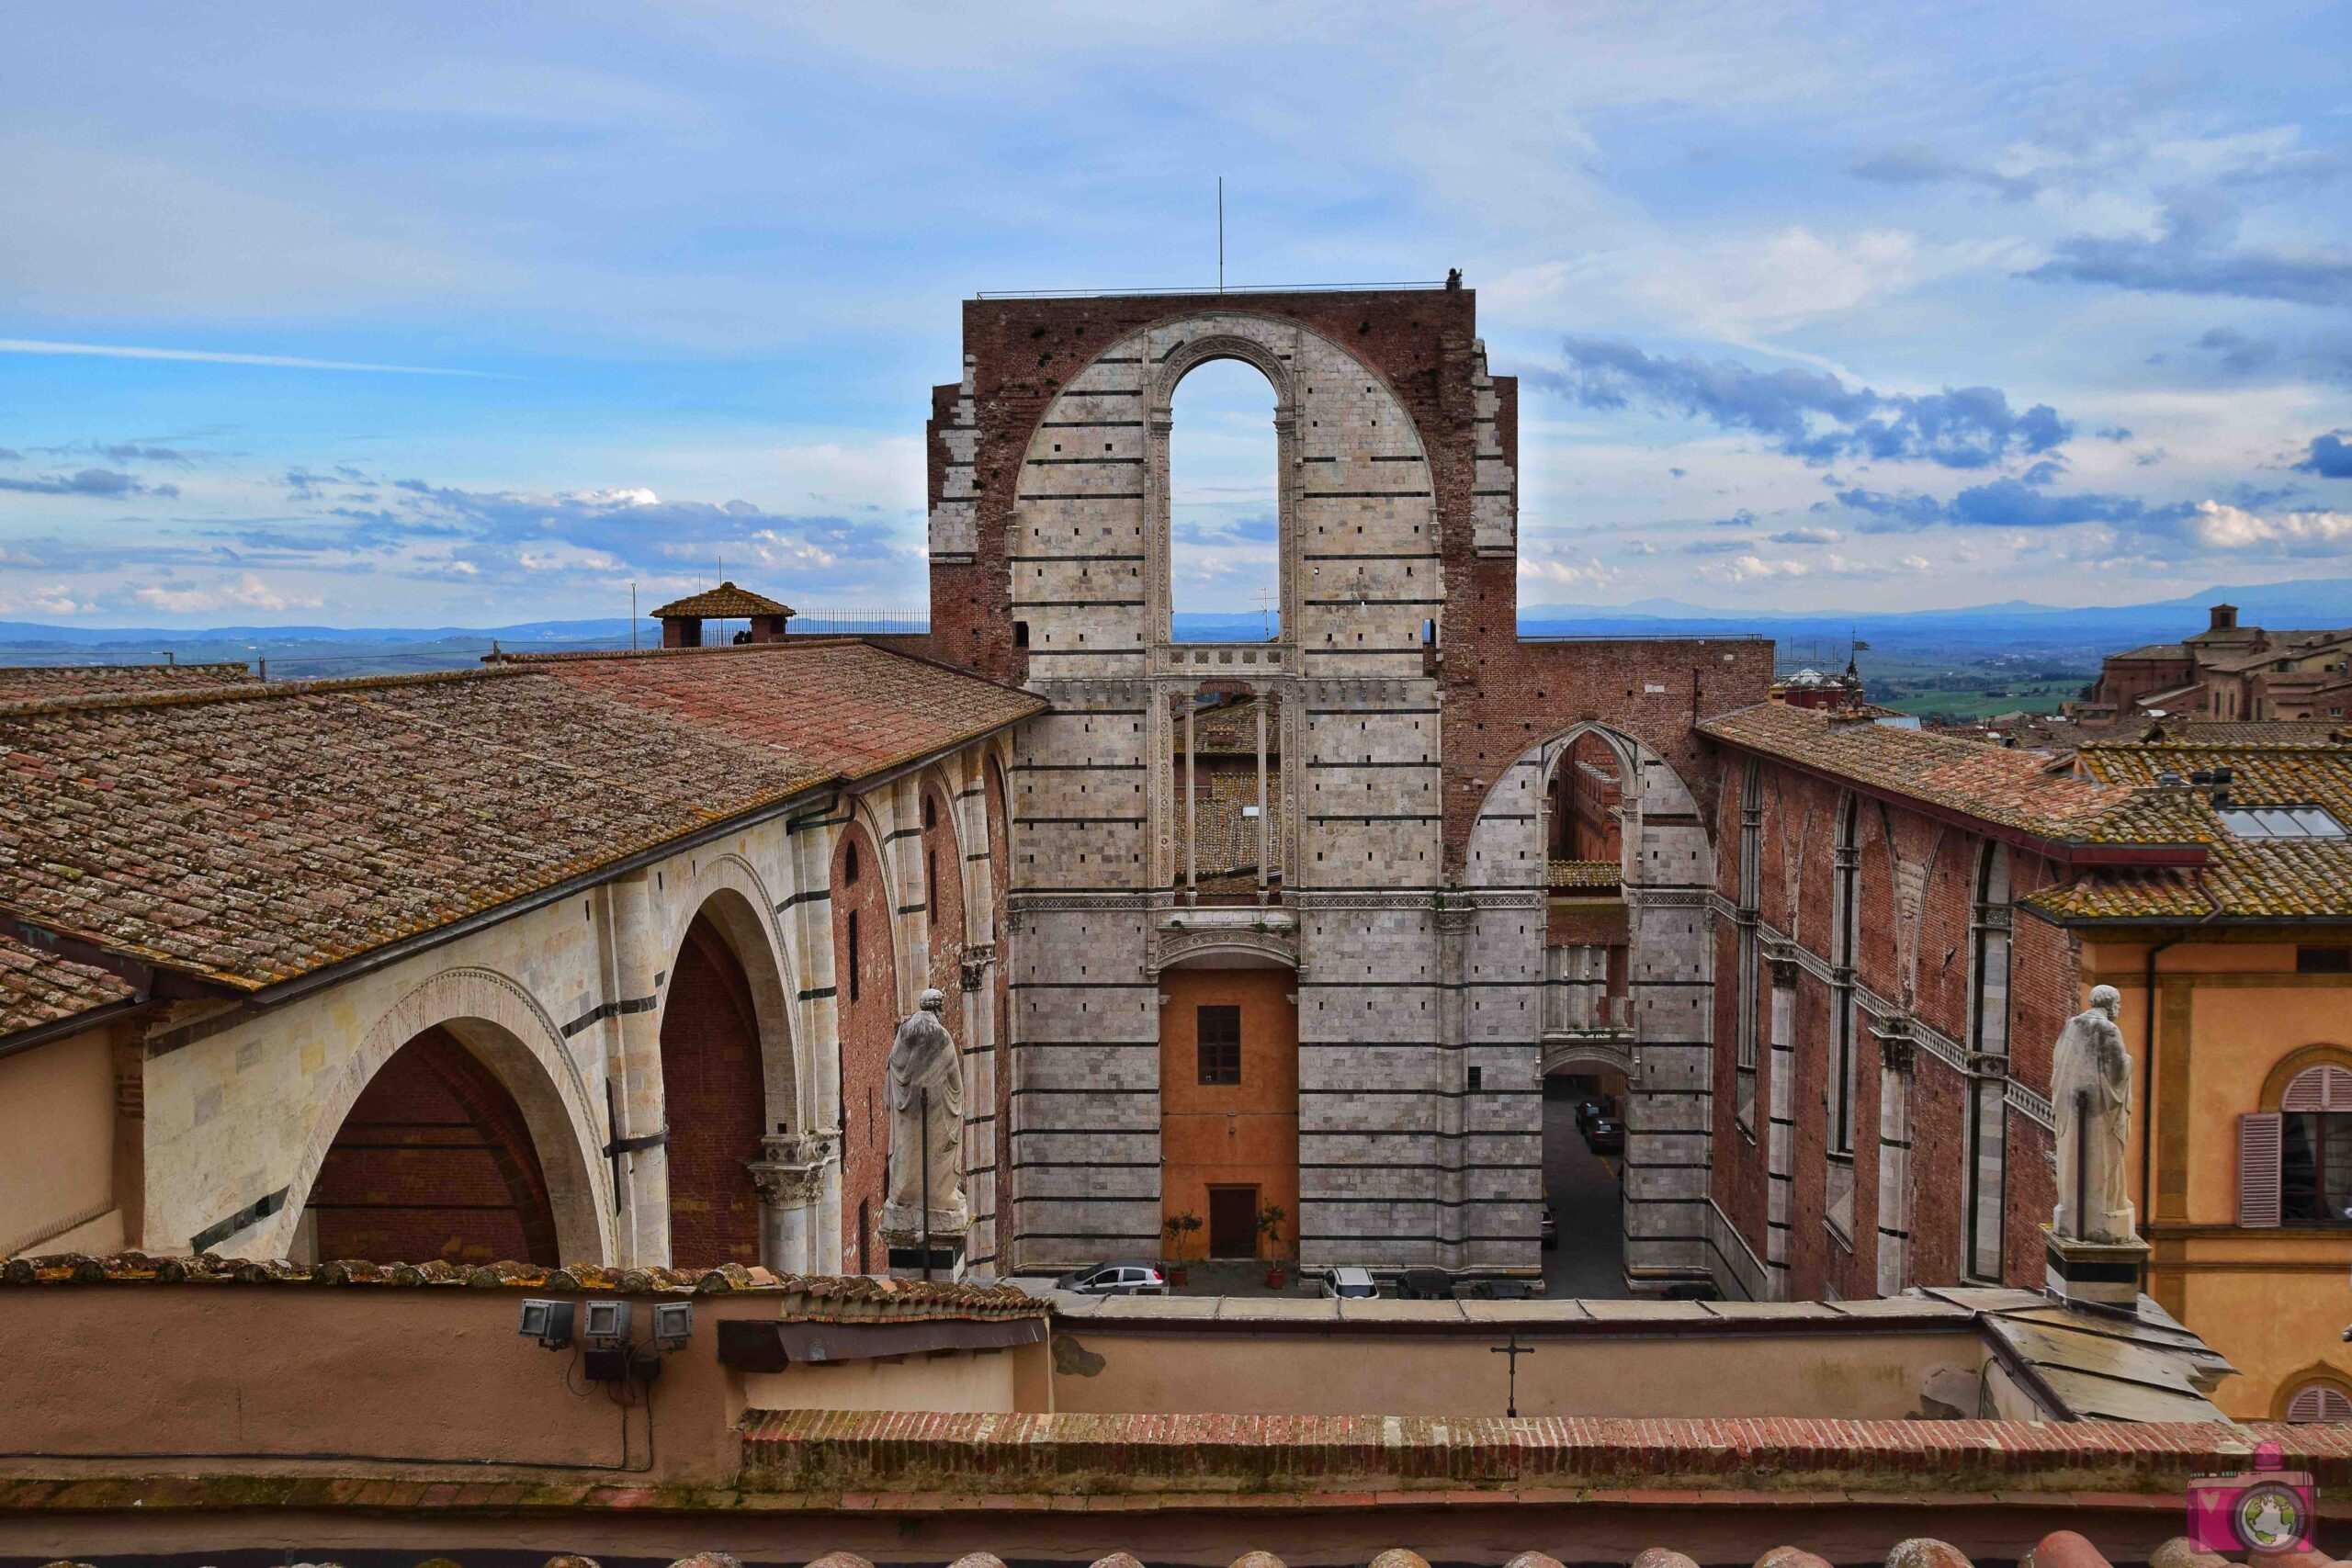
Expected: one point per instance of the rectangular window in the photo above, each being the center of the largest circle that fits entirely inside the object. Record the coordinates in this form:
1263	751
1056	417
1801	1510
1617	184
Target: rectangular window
2315	1168
1217	1032
852	955
2323	960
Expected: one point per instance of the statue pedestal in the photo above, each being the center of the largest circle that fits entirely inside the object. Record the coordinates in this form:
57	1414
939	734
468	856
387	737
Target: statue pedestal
2094	1273
906	1259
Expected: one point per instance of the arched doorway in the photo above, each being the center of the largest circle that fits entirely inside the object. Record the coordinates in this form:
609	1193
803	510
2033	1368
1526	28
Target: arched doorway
434	1160
1585	1085
1600	828
714	1102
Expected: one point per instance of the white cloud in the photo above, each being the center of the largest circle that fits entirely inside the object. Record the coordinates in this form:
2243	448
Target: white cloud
1757	568
1590	574
44	599
2220	526
244	591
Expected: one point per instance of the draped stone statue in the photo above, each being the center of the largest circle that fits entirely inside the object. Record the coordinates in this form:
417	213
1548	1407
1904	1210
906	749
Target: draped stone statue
2091	1063
926	1098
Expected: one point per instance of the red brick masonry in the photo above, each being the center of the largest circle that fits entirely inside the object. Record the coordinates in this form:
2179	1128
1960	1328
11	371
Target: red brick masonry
851	1452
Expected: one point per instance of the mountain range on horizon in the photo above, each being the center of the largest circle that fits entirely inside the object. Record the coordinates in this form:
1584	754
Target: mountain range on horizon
2103	627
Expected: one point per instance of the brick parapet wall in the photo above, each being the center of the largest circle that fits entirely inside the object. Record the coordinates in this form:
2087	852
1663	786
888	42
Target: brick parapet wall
1018	1454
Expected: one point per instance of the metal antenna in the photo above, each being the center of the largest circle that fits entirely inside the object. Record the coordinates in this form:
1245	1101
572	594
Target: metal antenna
1220	233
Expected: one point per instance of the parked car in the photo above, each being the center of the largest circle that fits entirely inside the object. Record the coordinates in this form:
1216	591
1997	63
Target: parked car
1550	1229
1606	1136
1350	1284
1591	1108
1116	1280
1501	1290
1425	1285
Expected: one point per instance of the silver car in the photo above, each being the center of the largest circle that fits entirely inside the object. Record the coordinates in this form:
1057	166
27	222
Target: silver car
1350	1284
1116	1280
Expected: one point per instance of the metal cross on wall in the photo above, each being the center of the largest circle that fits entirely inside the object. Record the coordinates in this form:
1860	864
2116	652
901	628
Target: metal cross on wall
1514	1350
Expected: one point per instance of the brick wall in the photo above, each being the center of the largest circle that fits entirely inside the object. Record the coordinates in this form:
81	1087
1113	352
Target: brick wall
713	1096
434	1160
1917	884
865	1003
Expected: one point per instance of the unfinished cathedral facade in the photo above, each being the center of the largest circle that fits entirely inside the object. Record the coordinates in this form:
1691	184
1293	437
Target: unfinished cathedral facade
1289	944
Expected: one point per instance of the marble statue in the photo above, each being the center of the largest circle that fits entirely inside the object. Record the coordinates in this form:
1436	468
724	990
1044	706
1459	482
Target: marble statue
2090	1059
924	1058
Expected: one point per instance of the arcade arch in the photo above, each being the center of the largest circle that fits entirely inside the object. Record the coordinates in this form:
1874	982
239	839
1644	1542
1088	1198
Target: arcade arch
456	1131
1599	830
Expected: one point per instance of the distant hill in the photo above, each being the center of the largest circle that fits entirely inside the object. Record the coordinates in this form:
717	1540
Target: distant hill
2072	637
2022	625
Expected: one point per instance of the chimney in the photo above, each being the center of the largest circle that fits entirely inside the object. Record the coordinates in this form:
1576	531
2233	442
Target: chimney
2225	618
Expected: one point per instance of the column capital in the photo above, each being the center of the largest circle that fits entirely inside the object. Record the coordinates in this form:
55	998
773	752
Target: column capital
790	1170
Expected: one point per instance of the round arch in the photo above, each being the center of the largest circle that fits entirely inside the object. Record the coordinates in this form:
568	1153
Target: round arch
2294	1064
729	892
502	1026
1282	350
1565	1055
942	843
1505	848
2321	1377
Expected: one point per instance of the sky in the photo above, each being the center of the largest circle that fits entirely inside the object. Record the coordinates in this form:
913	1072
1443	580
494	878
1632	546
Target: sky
454	314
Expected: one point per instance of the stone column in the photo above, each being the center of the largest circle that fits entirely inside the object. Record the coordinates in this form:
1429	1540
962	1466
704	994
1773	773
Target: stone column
1191	807
789	1175
982	1180
1456	925
1897	1052
1780	1136
633	1063
1263	821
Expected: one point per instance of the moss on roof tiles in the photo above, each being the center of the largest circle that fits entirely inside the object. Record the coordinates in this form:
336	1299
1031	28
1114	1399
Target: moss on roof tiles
253	837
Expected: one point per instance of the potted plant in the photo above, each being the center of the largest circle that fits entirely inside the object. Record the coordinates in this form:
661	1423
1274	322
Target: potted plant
1269	1228
1179	1229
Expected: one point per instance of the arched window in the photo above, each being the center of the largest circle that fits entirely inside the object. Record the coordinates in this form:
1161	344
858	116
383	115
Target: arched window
1751	890
2295	1163
1848	863
2319	1402
1223	503
1988	1044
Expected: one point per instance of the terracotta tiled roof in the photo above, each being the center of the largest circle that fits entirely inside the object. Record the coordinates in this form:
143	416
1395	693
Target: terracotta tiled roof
842	705
37	987
49	682
1574	874
826	1297
2059	1548
725	602
2256	731
253	836
2154	651
1996	784
2263	879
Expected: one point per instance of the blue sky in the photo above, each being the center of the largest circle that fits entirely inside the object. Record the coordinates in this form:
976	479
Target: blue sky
464	314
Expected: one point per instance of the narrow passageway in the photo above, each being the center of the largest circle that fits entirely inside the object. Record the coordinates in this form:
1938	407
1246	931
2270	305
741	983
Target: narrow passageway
1589	1260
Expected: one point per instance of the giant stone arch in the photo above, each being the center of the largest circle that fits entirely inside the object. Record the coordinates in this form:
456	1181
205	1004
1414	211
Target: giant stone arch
1394	698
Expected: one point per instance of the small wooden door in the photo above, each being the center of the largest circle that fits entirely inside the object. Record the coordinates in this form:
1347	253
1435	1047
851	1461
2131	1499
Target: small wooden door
1233	1221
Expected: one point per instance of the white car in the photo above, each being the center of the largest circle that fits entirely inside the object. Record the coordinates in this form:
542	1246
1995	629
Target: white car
1116	1280
1350	1284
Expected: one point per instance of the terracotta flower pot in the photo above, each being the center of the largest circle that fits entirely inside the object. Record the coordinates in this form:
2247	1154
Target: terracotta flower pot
1275	1278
